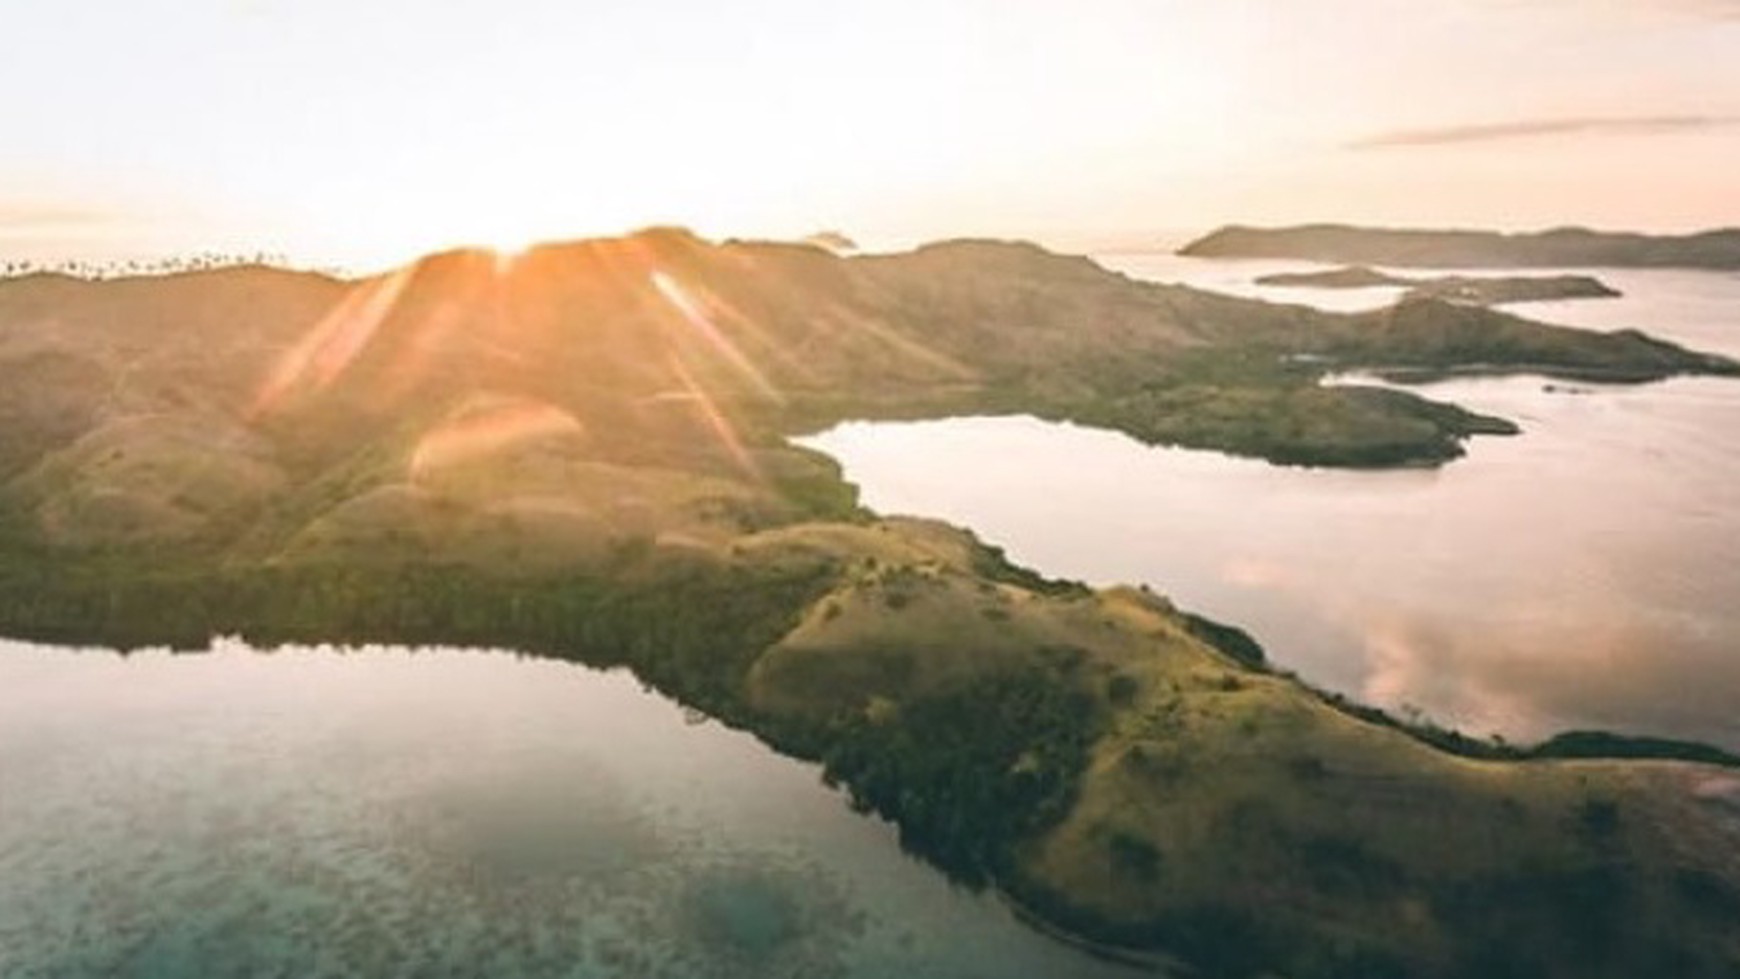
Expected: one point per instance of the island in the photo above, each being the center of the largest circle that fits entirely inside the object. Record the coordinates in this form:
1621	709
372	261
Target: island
1473	290
833	241
1717	249
583	452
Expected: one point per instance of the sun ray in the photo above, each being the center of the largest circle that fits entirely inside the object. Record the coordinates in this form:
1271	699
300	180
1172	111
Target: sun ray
715	418
332	344
748	269
696	315
905	345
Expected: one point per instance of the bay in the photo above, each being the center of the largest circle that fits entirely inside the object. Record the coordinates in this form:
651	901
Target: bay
1582	574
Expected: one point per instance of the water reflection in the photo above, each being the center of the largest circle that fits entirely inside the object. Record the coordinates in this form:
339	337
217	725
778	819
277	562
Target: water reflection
439	813
1581	574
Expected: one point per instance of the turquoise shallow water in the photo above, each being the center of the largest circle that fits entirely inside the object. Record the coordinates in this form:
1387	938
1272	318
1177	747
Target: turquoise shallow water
391	812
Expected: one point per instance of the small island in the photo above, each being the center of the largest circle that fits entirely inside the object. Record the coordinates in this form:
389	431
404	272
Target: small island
1717	249
832	241
1471	290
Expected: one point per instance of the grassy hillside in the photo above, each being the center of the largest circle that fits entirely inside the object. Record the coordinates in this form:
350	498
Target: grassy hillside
581	453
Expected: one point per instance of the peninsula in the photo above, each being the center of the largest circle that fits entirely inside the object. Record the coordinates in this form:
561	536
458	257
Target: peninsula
1472	290
1560	247
582	452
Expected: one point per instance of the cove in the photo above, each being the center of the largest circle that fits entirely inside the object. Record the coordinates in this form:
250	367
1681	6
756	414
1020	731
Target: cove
1578	575
1504	593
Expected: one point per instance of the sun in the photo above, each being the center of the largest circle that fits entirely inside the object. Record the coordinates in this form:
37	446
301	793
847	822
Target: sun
508	250
393	238
509	240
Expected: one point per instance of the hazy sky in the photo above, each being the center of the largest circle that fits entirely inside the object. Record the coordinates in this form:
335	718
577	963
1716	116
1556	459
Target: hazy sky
369	129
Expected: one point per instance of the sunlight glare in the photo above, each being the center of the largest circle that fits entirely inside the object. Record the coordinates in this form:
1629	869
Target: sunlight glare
715	418
697	316
333	343
485	429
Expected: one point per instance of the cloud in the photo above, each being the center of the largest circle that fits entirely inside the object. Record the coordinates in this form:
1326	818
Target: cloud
1705	9
16	214
1535	128
1716	9
1719	9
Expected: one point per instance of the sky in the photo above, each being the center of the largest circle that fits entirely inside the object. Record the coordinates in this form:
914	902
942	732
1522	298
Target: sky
368	131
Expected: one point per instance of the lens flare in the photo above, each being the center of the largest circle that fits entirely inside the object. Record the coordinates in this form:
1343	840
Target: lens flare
333	343
487	429
696	315
716	420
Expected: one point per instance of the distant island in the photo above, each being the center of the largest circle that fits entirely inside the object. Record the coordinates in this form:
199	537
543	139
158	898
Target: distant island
1472	290
833	241
1560	247
584	452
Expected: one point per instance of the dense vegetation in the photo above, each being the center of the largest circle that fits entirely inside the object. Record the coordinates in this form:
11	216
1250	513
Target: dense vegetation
1344	426
971	772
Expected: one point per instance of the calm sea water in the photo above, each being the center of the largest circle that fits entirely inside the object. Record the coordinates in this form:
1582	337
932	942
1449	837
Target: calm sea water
390	812
1586	573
